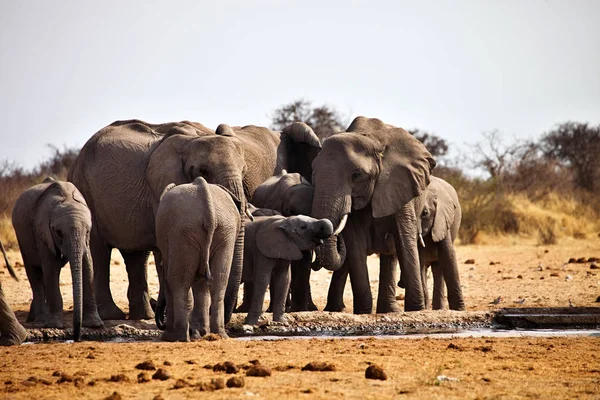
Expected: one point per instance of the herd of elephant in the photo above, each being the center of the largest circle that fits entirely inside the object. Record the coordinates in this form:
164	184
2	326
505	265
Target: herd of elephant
238	205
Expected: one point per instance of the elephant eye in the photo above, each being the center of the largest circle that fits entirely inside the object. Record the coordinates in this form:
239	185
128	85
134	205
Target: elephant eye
356	175
303	227
425	212
59	233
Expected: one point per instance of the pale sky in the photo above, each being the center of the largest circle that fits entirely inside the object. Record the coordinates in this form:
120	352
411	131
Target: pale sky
455	68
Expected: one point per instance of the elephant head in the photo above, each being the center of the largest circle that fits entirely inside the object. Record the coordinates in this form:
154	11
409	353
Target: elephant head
286	238
371	164
62	224
287	193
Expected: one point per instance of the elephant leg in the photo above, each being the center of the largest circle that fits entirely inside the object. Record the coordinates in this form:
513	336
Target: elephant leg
137	292
38	309
199	325
439	287
300	284
107	309
449	264
386	295
335	295
177	314
263	269
280	286
220	263
11	331
91	318
51	268
356	261
247	298
405	239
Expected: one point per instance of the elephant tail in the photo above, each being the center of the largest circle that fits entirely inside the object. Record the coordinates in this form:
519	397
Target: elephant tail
210	225
11	271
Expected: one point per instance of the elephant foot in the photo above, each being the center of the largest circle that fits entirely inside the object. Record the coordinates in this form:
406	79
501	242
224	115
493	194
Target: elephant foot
176	336
92	321
197	331
54	321
139	312
309	306
14	336
252	319
222	334
110	311
243	308
388	308
335	307
153	304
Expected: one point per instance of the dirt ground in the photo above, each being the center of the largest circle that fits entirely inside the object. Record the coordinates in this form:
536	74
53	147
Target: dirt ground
519	272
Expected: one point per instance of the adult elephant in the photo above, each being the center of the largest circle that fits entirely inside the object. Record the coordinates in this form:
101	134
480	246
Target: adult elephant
11	331
123	169
364	179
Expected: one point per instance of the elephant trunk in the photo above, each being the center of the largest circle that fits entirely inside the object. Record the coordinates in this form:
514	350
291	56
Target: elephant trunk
75	253
408	255
11	271
332	254
235	274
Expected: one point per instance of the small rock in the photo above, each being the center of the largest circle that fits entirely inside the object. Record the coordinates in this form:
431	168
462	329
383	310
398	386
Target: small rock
470	261
554	274
118	378
572	260
143	377
375	372
167	363
191	362
113	396
486	379
161	374
90	356
146	366
307	391
594	266
541	277
546	251
79	382
581	260
254	362
65	378
218	383
180	384
519	276
454	347
258	370
228	367
235	382
208	366
492	263
444	378
319	366
568	278
56	373
593	259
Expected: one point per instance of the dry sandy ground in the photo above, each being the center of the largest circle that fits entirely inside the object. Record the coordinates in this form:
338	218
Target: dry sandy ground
485	368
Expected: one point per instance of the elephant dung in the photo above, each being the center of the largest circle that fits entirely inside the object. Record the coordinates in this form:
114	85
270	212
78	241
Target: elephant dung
470	261
235	382
161	374
319	366
146	366
375	372
259	370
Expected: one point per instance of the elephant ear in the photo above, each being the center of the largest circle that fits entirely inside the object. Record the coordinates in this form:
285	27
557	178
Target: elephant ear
167	188
273	240
300	132
364	124
444	215
43	209
225	130
405	168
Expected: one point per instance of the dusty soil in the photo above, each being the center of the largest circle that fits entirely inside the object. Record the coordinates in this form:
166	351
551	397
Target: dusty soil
485	368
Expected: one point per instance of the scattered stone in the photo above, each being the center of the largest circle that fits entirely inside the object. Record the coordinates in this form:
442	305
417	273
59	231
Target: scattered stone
180	384
319	366
78	382
214	384
259	370
161	374
167	363
375	372
554	274
572	260
44	381
486	379
235	382
31	381
593	259
492	263
113	396
470	261
65	378
56	373
118	378
519	276
453	346
228	367
191	362
308	391
541	277
90	356
444	378
546	251
146	366
92	382
581	260
594	266
143	377
568	278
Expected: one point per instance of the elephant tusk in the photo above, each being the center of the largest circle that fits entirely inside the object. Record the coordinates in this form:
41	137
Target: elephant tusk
422	241
314	257
342	225
249	214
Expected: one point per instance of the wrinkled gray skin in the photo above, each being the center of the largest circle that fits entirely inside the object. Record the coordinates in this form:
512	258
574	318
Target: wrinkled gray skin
196	228
124	167
271	243
289	194
371	172
53	224
11	331
438	219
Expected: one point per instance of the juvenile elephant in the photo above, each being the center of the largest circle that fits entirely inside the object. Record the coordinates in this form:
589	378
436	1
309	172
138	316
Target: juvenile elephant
53	223
11	331
123	169
438	221
289	194
196	228
364	180
271	243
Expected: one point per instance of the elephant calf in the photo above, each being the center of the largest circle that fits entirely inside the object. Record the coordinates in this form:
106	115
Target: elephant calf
270	244
53	223
196	229
438	218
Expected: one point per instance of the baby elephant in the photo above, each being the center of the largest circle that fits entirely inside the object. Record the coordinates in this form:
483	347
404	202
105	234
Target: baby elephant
52	222
196	228
270	244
